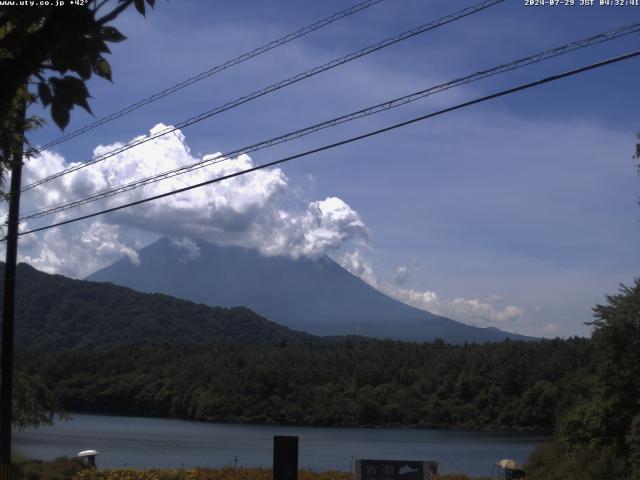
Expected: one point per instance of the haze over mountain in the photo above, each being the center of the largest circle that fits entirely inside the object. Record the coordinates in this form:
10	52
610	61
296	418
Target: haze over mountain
314	295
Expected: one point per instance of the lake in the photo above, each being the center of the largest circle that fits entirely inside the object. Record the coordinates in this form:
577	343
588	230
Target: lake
154	442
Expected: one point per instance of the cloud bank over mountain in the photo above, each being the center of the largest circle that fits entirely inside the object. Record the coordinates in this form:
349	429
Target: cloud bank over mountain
262	211
258	210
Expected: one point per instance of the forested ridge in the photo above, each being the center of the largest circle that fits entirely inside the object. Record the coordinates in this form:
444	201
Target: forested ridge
57	313
106	349
508	385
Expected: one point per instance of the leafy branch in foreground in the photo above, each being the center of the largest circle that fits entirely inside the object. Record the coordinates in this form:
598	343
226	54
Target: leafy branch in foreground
600	436
34	404
47	53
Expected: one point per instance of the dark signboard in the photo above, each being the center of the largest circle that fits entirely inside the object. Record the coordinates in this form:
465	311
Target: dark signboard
394	469
285	458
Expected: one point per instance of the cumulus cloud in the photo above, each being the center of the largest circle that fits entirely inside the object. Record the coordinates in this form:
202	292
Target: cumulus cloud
354	262
323	226
489	311
188	248
259	210
79	251
401	275
476	311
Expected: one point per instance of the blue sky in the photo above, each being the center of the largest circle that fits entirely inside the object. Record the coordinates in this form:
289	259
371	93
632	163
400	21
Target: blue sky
521	213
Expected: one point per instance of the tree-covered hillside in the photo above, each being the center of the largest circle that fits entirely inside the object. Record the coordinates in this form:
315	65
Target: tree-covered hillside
509	385
599	437
56	313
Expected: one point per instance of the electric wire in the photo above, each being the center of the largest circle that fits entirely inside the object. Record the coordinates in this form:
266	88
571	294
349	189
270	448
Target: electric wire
214	70
208	161
347	141
276	86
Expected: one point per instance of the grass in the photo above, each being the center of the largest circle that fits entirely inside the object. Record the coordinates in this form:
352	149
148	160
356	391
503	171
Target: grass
72	469
62	468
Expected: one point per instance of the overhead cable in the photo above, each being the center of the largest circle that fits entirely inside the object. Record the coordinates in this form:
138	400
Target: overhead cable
347	141
209	160
214	70
276	86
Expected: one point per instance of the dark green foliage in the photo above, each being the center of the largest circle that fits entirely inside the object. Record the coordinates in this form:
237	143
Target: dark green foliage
150	354
617	340
509	385
34	41
33	403
59	469
633	442
54	313
599	437
47	53
553	460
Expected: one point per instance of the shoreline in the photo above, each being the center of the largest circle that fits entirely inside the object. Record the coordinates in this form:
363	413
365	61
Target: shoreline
460	429
151	442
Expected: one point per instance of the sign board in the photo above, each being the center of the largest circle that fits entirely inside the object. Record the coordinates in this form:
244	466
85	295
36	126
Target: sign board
285	458
395	469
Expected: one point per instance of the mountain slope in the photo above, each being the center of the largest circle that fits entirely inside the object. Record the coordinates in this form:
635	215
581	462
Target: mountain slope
54	313
317	296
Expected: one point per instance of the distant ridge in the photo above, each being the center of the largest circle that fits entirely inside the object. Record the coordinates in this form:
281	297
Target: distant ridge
317	296
57	313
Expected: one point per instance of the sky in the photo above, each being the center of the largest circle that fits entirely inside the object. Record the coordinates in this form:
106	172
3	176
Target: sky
520	213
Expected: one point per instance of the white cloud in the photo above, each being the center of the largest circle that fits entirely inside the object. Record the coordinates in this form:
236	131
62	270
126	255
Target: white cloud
105	240
79	251
509	312
324	226
550	329
355	263
480	312
260	210
401	275
189	248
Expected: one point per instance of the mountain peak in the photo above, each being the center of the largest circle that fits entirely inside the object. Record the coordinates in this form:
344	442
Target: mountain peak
314	295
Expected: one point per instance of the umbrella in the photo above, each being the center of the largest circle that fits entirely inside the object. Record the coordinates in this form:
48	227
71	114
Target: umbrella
508	464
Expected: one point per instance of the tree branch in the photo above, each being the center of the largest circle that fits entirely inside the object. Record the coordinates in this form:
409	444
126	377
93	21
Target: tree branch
99	5
114	13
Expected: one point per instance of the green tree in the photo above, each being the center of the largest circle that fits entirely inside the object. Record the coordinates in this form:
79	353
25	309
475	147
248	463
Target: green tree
46	55
617	337
33	403
600	436
633	440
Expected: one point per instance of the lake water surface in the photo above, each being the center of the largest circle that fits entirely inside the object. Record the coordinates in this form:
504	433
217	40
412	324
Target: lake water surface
153	442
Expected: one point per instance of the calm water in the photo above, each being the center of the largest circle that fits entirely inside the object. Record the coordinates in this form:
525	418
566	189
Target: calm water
152	442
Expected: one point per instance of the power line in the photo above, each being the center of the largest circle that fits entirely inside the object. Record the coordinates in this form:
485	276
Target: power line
277	86
349	140
522	62
217	69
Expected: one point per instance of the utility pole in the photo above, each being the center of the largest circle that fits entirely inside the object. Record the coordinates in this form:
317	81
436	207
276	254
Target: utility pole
14	152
